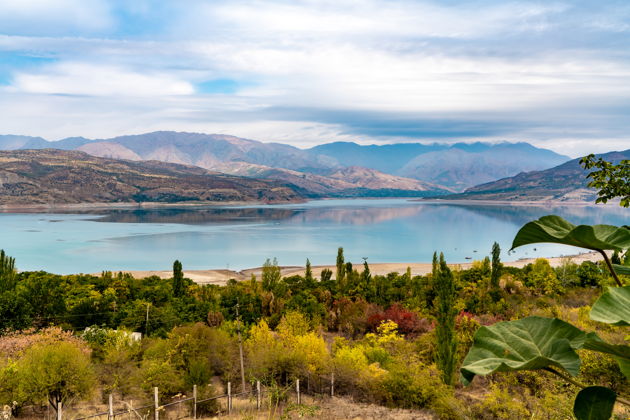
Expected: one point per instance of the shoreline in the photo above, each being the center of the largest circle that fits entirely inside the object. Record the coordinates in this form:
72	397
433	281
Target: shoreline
221	276
40	207
524	203
9	208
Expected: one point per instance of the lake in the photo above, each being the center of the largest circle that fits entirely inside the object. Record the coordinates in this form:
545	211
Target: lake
392	230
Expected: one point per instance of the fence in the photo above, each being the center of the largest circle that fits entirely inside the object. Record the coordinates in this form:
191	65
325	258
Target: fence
186	407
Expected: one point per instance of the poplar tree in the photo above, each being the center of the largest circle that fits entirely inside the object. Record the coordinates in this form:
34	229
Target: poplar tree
308	274
495	275
7	272
341	267
445	312
178	279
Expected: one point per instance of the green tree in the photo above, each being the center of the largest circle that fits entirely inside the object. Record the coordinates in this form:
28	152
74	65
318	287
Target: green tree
495	275
57	372
543	279
270	274
445	312
7	272
341	267
178	279
308	274
612	181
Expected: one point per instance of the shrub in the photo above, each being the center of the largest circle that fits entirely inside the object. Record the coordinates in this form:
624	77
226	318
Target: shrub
419	386
500	404
409	323
161	374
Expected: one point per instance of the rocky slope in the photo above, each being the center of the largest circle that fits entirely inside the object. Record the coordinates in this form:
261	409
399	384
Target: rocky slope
57	177
566	182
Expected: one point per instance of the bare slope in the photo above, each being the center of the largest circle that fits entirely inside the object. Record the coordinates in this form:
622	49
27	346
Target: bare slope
56	177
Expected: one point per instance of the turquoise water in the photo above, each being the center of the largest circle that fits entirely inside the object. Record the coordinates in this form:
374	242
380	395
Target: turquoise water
243	237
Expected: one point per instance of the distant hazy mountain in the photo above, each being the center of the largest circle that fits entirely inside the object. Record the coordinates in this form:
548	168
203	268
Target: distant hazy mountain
386	158
345	182
460	167
455	166
566	182
11	142
54	177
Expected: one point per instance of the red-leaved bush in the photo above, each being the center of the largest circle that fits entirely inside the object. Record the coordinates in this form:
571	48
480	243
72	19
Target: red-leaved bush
409	323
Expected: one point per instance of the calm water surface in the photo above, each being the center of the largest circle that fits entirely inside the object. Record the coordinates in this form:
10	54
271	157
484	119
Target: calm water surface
243	237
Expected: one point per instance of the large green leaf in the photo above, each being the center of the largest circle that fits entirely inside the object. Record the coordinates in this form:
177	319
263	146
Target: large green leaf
620	352
594	403
622	269
624	365
525	344
613	307
593	342
557	230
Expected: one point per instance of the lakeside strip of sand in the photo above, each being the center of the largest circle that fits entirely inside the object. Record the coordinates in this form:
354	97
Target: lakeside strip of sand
45	207
38	208
220	277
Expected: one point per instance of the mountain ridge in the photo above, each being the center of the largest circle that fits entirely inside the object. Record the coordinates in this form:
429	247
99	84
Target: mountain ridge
447	166
51	177
565	182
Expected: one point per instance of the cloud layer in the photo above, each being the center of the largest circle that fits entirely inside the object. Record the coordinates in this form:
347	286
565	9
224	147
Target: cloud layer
556	74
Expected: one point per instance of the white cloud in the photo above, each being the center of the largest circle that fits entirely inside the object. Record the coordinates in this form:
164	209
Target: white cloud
54	16
373	19
99	80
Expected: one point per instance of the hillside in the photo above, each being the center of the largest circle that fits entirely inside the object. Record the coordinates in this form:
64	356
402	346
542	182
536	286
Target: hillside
566	182
457	166
56	177
345	182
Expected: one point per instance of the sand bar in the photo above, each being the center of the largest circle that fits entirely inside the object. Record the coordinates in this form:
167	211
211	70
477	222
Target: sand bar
220	277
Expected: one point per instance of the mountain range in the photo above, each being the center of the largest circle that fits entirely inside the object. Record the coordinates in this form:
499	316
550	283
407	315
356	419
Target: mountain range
565	182
58	177
332	169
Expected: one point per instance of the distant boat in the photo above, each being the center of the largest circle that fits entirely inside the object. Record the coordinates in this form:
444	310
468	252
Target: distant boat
475	250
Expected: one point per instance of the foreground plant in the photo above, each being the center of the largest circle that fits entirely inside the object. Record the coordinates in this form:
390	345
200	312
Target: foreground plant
536	343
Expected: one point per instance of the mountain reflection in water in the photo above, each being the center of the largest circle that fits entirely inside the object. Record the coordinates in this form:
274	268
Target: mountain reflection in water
242	237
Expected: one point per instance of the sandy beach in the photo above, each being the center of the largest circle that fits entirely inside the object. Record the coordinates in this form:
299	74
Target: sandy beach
220	277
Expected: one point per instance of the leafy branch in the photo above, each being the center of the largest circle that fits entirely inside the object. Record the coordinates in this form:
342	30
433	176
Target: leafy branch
611	180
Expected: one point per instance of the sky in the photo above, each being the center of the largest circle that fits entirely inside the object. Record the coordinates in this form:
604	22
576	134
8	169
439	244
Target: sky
306	72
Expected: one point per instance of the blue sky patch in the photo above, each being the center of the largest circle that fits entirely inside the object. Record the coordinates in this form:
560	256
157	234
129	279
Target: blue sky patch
219	86
10	63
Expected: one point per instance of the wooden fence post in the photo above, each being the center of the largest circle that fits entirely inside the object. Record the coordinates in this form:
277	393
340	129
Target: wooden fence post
156	402
258	396
59	408
332	384
297	389
194	401
110	410
229	397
